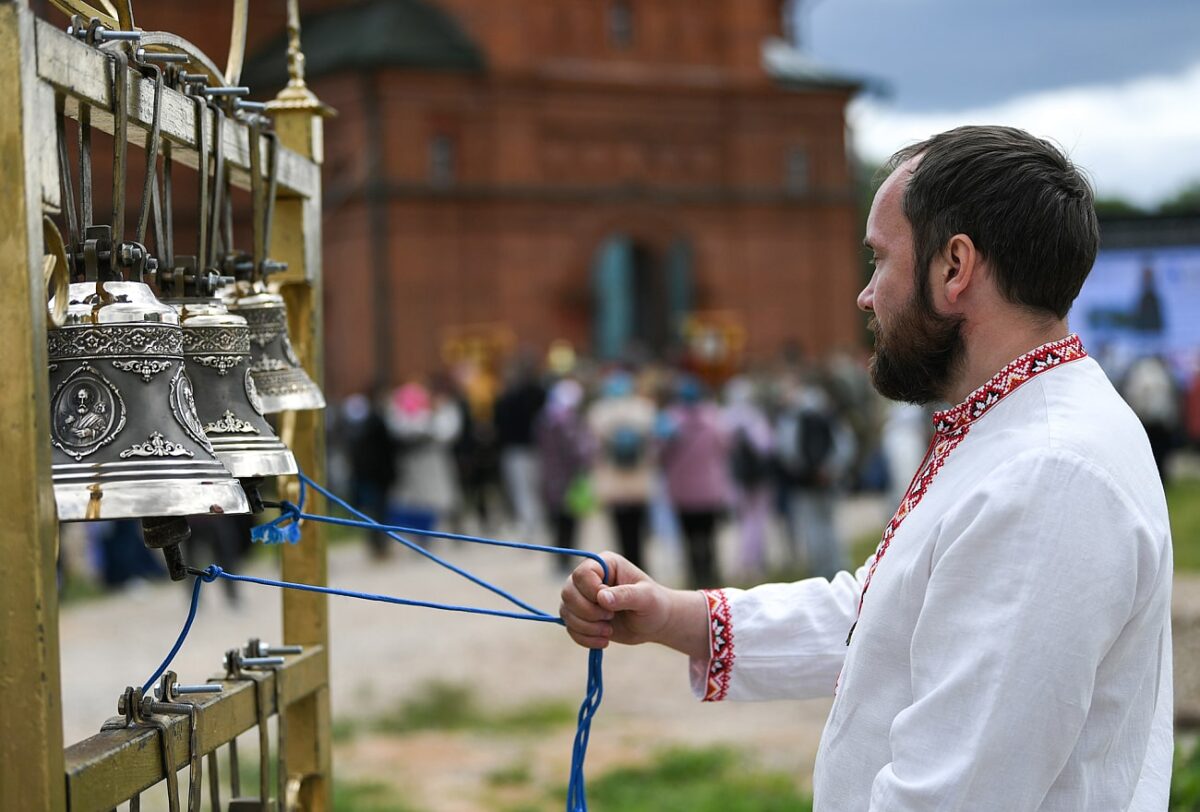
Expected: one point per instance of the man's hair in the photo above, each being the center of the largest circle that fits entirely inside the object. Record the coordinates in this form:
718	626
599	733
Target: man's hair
1026	207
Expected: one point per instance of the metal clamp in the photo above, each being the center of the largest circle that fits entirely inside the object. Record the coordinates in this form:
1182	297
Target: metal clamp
138	711
169	689
194	283
238	667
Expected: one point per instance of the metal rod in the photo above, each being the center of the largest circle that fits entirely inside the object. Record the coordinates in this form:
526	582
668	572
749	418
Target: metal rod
261	662
220	185
86	210
226	91
202	170
67	190
142	55
168	251
207	688
153	142
120	105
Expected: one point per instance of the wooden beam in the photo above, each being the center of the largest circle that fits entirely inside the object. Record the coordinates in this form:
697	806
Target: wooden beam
109	768
296	239
31	758
84	74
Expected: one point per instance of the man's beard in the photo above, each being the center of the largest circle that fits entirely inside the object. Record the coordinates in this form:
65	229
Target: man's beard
917	356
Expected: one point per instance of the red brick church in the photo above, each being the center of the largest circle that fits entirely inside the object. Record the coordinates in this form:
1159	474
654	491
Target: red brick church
595	171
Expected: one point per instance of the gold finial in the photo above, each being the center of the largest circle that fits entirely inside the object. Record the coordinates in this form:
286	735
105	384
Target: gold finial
297	96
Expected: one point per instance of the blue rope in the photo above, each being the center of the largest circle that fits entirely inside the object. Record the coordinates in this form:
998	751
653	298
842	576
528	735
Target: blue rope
187	627
370	523
576	800
214	572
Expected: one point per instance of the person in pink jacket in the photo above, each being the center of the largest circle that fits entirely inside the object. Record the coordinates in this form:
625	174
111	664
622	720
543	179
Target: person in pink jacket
694	456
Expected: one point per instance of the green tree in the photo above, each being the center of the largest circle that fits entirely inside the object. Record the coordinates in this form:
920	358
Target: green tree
1186	201
1118	207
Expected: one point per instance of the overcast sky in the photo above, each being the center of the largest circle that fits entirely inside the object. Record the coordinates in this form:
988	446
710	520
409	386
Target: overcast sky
1116	82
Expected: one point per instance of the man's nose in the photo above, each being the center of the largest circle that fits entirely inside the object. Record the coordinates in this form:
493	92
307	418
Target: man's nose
866	299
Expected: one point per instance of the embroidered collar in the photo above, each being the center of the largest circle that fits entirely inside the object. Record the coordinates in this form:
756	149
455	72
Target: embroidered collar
1017	372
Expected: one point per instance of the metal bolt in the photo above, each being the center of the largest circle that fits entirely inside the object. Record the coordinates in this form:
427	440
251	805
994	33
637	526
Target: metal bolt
271	266
267	648
242	104
193	78
103	34
206	688
154	56
261	662
227	91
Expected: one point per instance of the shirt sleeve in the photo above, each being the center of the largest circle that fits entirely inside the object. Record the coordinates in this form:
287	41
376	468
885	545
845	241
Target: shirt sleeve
1032	583
777	641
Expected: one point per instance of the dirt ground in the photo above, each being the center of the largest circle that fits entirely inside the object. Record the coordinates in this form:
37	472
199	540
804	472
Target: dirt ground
381	655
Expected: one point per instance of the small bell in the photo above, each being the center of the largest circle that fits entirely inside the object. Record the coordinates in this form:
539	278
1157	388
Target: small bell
282	383
216	348
126	439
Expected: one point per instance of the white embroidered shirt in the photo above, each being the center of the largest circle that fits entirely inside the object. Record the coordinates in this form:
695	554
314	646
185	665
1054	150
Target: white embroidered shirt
1013	648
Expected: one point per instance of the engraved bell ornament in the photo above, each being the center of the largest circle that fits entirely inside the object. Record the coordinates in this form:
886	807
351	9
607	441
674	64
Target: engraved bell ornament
216	350
126	440
282	383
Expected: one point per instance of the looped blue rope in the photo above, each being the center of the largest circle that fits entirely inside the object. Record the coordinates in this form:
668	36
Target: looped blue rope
283	529
287	524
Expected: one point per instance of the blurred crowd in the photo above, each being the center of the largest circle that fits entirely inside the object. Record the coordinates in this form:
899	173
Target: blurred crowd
662	453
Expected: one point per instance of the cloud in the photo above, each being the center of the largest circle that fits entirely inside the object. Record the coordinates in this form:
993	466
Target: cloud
1138	139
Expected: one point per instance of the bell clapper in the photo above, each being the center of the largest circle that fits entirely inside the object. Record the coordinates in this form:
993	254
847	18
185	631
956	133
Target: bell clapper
166	533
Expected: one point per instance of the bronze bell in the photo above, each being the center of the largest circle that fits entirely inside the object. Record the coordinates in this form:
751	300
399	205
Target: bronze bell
282	383
216	349
126	439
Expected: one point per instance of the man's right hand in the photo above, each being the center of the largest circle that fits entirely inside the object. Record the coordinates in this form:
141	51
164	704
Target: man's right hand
633	608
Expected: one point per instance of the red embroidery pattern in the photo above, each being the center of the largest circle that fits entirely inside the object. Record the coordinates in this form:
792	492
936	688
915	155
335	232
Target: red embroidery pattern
951	426
720	641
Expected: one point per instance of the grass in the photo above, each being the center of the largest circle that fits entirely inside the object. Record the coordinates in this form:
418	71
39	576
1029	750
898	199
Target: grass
715	779
1183	503
517	774
366	796
449	706
1185	779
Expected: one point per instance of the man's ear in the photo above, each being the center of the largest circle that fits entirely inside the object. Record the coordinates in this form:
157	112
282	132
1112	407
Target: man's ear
956	269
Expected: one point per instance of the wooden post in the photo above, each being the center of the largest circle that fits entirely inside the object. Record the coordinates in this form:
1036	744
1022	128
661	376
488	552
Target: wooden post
31	737
296	240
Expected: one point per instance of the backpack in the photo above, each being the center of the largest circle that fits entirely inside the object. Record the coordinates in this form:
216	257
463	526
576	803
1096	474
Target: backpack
625	447
748	464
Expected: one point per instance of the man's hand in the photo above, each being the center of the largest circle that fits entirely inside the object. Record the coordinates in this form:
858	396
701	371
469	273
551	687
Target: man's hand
633	609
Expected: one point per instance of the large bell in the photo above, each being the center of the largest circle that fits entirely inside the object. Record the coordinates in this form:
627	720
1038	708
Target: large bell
216	348
282	383
126	439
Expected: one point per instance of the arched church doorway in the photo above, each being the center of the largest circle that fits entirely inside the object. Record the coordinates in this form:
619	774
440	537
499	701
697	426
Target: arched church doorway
640	296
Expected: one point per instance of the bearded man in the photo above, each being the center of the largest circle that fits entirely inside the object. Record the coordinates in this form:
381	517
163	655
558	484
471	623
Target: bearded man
1008	645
